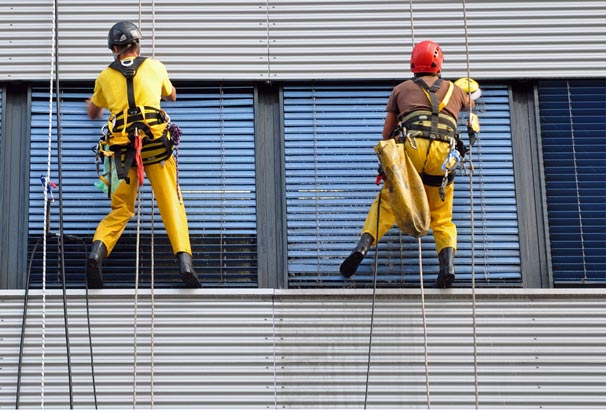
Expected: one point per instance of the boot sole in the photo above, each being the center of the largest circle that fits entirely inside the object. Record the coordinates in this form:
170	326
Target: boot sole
444	282
191	281
350	264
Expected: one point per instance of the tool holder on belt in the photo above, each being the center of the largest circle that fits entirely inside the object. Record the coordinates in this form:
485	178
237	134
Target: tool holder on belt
130	131
434	126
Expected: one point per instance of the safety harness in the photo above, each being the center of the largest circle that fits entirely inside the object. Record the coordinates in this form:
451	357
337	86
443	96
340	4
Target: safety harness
132	140
434	126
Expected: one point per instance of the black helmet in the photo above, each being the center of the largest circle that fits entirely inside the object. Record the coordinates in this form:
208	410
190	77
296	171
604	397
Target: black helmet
122	34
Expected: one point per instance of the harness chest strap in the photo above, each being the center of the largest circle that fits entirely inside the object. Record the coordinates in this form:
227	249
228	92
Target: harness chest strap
133	124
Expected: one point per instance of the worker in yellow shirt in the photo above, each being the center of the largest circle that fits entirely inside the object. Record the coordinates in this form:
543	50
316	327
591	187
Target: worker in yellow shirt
140	144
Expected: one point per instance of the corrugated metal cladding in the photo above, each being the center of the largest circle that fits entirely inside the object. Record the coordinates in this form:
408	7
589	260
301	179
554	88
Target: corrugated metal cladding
216	173
319	39
330	132
573	127
295	349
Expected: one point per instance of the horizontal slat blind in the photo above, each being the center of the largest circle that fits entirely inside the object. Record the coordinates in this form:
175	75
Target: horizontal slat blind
573	125
313	39
216	174
330	132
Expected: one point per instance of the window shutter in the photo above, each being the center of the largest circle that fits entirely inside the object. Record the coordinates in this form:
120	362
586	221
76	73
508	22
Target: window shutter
573	124
330	132
216	175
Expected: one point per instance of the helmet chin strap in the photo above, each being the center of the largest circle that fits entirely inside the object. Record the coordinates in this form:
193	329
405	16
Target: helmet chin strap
122	50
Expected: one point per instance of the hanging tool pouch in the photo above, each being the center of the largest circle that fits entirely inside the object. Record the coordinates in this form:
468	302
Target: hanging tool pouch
406	191
135	123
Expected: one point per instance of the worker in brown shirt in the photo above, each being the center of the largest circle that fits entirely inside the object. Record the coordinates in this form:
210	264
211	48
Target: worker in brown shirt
422	114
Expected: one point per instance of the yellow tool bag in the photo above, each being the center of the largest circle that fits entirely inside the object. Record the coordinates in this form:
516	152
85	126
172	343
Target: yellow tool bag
406	191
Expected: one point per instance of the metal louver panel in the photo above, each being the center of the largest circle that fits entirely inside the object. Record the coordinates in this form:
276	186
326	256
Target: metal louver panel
314	39
216	174
335	39
197	40
294	349
573	127
330	132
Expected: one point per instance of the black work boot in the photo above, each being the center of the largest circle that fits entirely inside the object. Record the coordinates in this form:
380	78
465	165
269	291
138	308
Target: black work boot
187	270
94	275
446	276
351	263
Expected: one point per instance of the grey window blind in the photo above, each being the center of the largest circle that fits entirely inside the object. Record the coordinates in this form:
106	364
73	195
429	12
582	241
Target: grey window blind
216	174
330	132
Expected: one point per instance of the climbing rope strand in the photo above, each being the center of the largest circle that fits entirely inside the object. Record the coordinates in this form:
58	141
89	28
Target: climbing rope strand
421	281
412	24
425	334
316	178
372	308
473	277
273	335
576	181
152	298
61	238
46	226
138	236
152	240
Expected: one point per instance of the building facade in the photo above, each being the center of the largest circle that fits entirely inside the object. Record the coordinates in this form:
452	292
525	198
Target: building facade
281	104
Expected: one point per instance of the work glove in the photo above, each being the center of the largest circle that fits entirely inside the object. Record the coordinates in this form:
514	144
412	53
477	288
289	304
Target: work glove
380	175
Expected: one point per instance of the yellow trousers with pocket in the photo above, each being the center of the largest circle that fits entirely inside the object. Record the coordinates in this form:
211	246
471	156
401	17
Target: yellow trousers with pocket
163	179
428	158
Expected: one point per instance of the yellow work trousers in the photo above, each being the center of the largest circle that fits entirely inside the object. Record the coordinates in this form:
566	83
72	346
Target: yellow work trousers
163	179
428	158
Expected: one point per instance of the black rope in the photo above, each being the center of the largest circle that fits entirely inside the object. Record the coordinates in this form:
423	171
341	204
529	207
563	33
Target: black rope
374	294
60	234
23	320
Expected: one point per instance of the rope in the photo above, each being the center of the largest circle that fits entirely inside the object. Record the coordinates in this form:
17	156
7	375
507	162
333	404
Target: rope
273	334
153	260
473	277
576	181
46	205
425	336
315	169
60	234
152	297
421	280
90	345
374	294
222	180
136	298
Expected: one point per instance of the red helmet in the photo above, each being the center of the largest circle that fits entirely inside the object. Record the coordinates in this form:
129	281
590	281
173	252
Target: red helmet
426	57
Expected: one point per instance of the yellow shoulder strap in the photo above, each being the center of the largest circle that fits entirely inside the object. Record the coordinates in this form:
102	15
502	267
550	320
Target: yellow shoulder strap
444	102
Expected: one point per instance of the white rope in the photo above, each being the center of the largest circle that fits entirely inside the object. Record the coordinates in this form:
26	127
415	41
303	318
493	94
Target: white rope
315	169
273	335
153	260
136	293
46	224
152	297
222	180
576	181
425	337
473	277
